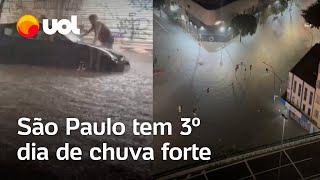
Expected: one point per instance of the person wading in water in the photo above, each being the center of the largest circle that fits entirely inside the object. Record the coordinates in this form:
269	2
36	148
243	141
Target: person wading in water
101	33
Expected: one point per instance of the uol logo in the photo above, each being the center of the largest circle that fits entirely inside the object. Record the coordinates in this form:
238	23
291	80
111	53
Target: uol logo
28	26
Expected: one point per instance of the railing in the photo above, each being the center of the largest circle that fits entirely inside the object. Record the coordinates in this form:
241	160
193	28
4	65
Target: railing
197	168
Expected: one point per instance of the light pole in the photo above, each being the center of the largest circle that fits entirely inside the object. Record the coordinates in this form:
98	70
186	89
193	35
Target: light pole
274	79
281	147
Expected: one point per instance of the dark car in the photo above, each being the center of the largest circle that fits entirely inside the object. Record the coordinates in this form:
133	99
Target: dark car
57	50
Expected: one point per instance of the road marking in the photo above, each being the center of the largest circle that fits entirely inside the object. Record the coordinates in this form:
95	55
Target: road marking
160	25
285	165
313	176
250	170
293	164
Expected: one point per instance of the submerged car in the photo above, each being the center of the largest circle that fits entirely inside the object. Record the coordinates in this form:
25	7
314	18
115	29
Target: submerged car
58	50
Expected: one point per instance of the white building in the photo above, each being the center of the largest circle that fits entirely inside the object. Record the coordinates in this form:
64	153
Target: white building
302	96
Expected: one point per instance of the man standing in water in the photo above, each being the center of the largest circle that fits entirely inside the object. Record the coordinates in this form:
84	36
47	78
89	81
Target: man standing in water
101	32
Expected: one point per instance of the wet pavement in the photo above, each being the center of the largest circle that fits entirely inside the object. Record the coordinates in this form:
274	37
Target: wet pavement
55	94
238	113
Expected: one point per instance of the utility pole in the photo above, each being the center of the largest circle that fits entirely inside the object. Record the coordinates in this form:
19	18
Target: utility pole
274	79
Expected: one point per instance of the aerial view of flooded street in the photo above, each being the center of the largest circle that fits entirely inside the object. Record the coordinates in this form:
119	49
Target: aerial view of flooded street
228	85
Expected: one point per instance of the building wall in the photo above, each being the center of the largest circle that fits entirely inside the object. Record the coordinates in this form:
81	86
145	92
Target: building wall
129	20
296	96
308	94
316	104
305	99
289	87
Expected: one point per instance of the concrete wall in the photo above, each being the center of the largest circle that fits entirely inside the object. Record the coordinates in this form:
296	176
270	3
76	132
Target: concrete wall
129	20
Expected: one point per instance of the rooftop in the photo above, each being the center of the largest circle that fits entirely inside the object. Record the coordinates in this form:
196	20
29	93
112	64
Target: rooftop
213	4
307	68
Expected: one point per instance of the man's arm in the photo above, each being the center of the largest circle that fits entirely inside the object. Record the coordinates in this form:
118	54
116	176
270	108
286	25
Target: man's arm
86	33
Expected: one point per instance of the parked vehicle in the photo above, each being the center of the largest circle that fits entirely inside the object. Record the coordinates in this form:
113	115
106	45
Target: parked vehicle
57	50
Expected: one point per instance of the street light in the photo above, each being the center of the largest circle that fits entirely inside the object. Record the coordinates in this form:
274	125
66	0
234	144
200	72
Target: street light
274	78
282	137
217	23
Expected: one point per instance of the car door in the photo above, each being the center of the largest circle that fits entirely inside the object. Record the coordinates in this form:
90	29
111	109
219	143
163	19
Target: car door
65	52
33	52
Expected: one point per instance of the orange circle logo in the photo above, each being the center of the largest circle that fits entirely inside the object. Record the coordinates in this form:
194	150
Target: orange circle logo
28	26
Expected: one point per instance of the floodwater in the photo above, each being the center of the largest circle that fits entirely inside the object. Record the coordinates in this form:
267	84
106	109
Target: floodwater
55	94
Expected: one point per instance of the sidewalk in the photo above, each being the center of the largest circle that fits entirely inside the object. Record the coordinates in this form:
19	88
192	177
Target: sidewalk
135	46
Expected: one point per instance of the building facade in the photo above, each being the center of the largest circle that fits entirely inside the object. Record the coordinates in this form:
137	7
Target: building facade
302	98
210	20
129	20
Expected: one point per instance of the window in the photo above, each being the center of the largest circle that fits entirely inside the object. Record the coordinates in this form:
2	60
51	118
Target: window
305	94
292	99
316	114
318	99
310	98
309	111
303	107
294	86
289	83
299	90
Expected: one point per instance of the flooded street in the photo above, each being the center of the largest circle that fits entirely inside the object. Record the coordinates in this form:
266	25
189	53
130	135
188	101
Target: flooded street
55	94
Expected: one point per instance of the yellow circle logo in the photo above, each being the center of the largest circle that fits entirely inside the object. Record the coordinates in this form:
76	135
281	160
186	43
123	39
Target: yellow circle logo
28	26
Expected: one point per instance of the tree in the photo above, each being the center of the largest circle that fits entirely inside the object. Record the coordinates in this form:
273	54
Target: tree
1	6
245	24
312	14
